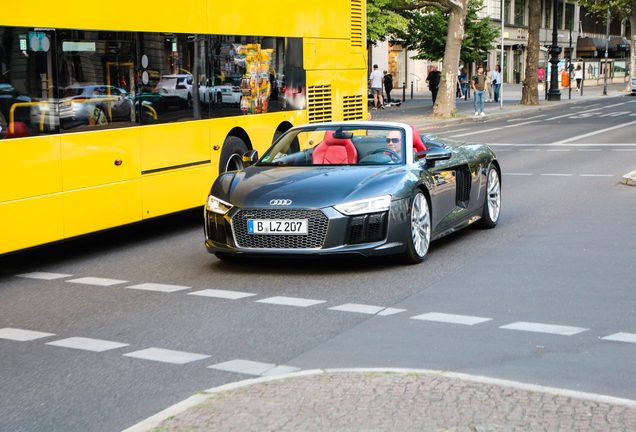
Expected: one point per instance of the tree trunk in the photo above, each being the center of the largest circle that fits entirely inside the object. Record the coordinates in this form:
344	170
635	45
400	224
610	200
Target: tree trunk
530	91
445	103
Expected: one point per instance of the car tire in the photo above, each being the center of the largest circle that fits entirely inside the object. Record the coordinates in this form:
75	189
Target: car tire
232	154
418	236
492	200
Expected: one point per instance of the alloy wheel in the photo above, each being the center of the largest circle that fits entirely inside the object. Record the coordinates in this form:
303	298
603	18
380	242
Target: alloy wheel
494	195
420	225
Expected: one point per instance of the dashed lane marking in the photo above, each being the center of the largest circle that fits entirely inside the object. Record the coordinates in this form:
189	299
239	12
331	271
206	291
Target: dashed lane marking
231	295
20	335
243	366
291	301
86	344
597	175
166	356
557	175
621	337
43	275
450	318
558	150
629	150
97	281
158	287
588	150
517	174
544	328
530	150
452	131
391	311
358	308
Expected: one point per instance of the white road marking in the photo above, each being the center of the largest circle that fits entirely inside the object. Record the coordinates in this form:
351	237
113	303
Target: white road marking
358	308
158	287
558	150
391	311
97	281
629	150
597	175
280	370
530	150
166	356
291	301
450	318
530	118
451	131
588	150
600	131
80	343
518	174
243	366
43	275
231	295
621	337
615	114
478	132
20	335
544	328
557	175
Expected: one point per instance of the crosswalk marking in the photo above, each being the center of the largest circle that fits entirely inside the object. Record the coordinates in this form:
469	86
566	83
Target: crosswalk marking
97	281
451	319
231	295
358	308
43	275
544	328
243	366
279	370
391	311
158	287
20	335
291	301
166	356
621	337
80	343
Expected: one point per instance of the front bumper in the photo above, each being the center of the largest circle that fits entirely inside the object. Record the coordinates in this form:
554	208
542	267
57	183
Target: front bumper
369	235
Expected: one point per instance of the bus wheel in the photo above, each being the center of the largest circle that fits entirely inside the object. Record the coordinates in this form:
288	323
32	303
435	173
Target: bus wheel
232	154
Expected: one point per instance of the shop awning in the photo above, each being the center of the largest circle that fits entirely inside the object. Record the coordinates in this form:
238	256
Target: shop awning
594	44
622	44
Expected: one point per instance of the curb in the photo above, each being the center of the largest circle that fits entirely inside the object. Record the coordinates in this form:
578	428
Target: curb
629	179
156	420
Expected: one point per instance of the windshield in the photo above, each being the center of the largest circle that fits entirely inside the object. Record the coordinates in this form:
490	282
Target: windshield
358	145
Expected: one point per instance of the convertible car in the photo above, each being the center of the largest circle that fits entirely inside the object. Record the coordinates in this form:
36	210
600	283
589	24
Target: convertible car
367	188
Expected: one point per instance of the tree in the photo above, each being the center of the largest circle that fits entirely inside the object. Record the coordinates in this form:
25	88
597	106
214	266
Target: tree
624	9
381	21
530	90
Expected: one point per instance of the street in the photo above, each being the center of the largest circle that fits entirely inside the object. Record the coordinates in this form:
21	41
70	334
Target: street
547	297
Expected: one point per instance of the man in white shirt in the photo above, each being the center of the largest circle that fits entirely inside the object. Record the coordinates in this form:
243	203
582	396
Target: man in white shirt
375	84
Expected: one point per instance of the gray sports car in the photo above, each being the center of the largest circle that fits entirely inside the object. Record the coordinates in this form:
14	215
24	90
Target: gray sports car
367	188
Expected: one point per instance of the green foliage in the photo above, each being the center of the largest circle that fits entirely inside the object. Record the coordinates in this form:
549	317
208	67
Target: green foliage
381	21
427	31
618	8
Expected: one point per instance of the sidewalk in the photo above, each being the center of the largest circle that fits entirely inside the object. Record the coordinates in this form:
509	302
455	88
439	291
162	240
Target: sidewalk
392	400
418	111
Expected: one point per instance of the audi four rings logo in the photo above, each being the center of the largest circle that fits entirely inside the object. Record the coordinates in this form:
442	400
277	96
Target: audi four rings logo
283	202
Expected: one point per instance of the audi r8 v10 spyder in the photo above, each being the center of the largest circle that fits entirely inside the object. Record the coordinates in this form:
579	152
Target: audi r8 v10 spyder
367	188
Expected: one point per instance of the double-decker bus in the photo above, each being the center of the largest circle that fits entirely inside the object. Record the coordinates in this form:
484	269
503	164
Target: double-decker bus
113	113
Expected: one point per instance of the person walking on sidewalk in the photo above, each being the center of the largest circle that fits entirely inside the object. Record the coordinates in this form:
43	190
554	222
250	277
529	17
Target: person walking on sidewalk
578	76
433	82
479	87
488	76
496	82
388	86
375	84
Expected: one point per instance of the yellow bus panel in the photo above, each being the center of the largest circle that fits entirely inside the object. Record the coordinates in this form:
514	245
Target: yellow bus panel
101	207
30	166
31	222
325	54
90	159
170	145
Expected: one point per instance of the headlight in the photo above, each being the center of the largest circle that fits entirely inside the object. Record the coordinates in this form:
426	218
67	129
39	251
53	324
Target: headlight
371	205
216	205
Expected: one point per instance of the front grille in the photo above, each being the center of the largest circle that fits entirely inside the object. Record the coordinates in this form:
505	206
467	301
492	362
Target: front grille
463	187
366	228
317	224
216	228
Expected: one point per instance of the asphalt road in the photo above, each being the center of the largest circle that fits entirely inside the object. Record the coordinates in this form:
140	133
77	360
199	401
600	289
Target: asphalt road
562	255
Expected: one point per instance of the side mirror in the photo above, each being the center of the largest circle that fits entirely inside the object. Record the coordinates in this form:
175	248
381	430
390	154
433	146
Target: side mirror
436	154
250	157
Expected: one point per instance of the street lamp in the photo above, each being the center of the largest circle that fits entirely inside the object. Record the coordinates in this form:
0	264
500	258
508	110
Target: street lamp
554	94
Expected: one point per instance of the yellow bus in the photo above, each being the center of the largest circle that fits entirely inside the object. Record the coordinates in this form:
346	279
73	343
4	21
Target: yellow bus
113	113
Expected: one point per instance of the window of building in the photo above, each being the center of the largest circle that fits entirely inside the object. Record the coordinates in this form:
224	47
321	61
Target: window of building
560	15
520	12
507	11
569	16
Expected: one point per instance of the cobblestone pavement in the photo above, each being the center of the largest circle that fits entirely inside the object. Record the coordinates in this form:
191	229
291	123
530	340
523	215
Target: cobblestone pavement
398	402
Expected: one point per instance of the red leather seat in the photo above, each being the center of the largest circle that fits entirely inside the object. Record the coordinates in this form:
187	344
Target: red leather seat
17	130
334	151
418	144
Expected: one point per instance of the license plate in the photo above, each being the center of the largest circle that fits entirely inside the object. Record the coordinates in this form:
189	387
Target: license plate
281	227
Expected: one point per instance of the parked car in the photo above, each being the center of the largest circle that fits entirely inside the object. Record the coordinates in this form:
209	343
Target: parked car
80	102
230	89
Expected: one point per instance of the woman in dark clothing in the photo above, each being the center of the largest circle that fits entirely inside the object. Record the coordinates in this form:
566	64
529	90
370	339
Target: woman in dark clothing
388	86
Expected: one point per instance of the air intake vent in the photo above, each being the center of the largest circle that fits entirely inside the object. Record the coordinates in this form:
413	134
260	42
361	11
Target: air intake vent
319	98
352	108
463	187
357	30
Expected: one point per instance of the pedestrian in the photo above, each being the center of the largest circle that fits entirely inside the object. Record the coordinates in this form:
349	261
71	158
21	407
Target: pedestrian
541	74
433	82
496	82
388	86
462	80
458	92
578	76
565	78
375	83
488	76
479	87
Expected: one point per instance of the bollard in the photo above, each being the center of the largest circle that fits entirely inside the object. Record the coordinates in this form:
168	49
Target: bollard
411	89
403	91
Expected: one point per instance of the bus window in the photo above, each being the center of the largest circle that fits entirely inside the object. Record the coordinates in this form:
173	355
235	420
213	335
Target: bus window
27	88
96	79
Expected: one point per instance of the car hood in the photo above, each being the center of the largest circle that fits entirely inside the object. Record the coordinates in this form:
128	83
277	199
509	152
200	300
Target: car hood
308	187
